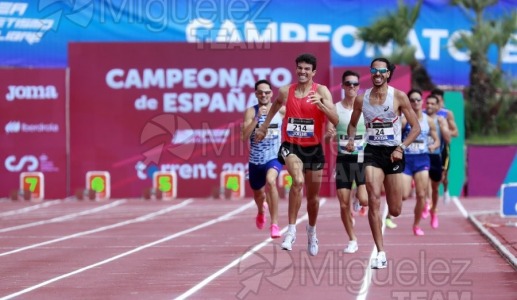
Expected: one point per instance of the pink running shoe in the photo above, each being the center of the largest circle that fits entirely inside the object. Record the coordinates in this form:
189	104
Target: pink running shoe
260	220
425	212
364	211
434	220
417	231
275	231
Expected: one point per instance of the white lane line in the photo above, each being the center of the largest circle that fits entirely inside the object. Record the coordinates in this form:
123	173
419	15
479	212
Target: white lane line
65	217
494	240
30	208
104	228
137	249
210	278
460	206
367	279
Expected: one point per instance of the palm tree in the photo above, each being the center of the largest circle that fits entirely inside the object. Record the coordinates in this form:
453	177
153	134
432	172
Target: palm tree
395	27
490	102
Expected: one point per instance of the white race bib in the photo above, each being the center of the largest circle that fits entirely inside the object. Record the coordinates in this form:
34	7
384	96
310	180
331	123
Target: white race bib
380	131
273	131
358	143
416	147
302	128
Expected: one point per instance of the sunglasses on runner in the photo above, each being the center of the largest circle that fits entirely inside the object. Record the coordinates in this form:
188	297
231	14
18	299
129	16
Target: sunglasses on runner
380	70
259	92
351	83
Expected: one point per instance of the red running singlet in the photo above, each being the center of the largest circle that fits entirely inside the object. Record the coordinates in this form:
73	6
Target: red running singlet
303	122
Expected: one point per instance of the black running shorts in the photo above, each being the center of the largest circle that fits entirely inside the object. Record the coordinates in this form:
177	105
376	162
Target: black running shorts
446	151
349	170
380	157
312	156
435	171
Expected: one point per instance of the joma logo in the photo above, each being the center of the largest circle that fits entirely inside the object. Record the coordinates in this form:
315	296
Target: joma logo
31	92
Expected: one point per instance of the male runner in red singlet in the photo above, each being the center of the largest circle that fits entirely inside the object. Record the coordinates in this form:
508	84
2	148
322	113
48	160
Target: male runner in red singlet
308	105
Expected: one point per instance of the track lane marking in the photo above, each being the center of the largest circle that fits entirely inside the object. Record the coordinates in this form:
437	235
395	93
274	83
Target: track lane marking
65	217
104	228
30	208
232	264
222	218
367	279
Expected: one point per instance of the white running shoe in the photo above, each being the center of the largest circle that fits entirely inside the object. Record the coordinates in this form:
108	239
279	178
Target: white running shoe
380	262
446	198
352	247
288	242
312	245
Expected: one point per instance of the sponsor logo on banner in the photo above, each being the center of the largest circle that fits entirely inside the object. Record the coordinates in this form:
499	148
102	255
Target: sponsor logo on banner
26	162
200	136
29	163
31	92
19	127
17	28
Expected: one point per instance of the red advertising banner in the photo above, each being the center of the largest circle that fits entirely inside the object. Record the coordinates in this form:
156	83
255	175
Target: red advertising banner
136	108
33	120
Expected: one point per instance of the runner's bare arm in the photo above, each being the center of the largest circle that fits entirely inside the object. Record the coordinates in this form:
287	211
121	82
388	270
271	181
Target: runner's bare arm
453	129
410	115
330	133
327	105
434	134
444	129
260	133
250	122
352	126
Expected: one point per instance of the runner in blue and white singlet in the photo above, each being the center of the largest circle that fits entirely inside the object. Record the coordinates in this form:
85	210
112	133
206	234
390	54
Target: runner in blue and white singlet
263	165
417	153
417	160
267	149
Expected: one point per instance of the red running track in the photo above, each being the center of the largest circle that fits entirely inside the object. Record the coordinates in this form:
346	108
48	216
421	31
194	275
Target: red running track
210	249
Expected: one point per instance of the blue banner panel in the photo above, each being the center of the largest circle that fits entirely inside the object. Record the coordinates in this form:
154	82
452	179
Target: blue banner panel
36	33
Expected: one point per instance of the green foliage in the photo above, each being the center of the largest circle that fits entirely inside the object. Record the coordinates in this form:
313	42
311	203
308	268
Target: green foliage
394	27
490	104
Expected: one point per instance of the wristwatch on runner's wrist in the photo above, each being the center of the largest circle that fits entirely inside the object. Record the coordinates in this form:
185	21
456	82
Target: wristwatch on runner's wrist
402	146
